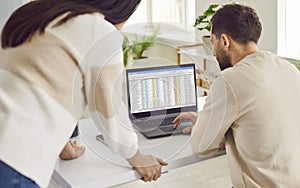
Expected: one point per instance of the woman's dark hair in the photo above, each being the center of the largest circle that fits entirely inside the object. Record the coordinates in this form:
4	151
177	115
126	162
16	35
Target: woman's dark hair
240	22
36	15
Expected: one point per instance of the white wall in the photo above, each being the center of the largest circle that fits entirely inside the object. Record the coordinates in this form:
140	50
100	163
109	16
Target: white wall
7	8
266	10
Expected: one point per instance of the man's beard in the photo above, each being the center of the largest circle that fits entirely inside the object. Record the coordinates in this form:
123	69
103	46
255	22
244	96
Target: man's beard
224	65
224	61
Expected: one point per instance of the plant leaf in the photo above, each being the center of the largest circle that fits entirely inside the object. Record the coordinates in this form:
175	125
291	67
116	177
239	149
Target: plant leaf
202	22
136	48
297	64
210	11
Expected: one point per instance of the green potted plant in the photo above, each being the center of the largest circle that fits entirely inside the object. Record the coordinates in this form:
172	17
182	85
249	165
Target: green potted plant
202	22
136	48
297	64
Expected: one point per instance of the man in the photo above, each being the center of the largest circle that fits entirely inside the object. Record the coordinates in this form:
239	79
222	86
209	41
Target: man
253	106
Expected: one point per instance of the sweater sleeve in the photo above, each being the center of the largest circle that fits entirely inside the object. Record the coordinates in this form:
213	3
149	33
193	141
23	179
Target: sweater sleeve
97	46
104	92
218	114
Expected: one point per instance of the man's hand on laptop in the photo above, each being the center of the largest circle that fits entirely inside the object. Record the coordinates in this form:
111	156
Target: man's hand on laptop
185	115
147	166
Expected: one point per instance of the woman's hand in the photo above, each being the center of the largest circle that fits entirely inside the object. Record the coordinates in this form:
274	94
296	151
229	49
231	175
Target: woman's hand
147	166
185	115
71	151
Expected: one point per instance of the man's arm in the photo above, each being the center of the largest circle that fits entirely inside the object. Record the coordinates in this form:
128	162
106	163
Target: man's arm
218	114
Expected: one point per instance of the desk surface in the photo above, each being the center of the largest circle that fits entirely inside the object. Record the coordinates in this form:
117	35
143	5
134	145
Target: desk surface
99	167
212	173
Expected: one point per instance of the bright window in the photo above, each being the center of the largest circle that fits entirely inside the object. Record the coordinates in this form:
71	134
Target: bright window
178	12
288	28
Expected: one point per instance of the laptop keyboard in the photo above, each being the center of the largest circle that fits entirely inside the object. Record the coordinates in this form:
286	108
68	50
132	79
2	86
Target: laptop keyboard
170	127
167	128
168	121
156	122
166	125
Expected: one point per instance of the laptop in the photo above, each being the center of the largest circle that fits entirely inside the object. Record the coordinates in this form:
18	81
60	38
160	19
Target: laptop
156	95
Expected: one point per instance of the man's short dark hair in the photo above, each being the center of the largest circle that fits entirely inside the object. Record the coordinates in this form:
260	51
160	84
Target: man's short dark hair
240	22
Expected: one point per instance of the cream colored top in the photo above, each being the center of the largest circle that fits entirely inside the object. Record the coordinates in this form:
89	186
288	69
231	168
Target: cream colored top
255	106
46	83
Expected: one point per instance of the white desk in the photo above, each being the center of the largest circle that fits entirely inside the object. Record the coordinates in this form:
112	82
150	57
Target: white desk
212	173
99	167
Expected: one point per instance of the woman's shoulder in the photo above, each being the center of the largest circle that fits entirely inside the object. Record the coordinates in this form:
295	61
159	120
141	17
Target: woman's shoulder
84	22
82	31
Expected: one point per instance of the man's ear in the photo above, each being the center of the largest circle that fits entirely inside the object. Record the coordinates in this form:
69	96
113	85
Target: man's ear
225	41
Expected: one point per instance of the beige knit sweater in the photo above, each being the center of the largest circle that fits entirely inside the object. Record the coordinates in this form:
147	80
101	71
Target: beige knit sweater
46	83
255	106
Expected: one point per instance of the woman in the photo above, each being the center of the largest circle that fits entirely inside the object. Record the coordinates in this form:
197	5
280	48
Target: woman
49	73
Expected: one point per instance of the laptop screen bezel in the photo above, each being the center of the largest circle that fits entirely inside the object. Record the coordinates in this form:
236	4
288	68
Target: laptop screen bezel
178	110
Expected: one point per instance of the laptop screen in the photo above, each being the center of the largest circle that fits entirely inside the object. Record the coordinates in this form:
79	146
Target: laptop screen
160	89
